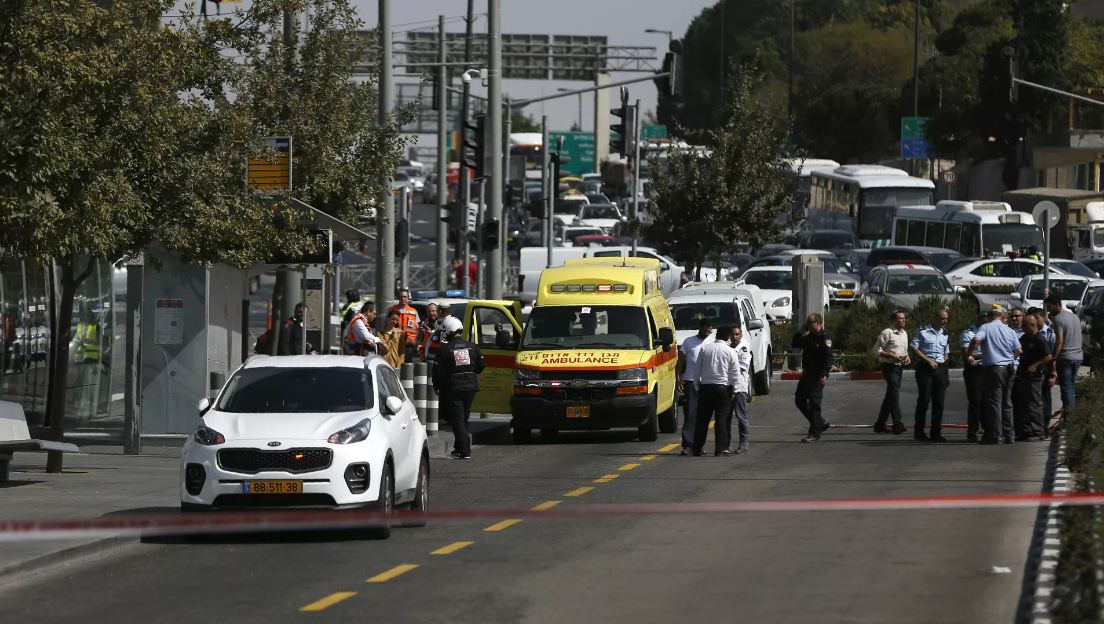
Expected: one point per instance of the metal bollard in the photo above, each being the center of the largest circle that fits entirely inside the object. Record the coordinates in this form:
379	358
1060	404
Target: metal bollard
431	404
406	374
420	383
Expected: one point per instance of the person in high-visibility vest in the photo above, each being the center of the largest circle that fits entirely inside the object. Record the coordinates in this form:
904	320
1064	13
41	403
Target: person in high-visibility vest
359	339
408	323
352	304
88	340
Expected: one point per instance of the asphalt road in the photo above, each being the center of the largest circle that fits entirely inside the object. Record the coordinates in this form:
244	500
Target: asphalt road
793	566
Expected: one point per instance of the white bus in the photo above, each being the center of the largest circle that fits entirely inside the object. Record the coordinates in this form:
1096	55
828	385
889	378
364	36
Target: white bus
974	229
863	199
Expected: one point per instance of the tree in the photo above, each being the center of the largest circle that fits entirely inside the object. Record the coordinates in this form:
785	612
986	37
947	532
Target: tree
520	122
732	189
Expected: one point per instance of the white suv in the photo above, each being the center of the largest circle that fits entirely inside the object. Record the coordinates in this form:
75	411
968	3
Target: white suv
727	303
308	431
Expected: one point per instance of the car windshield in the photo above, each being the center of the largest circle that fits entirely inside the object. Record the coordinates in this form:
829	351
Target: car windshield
401	177
280	390
1068	290
1098	237
770	280
586	327
831	240
689	315
600	211
917	284
1005	237
834	265
1075	268
567	206
943	260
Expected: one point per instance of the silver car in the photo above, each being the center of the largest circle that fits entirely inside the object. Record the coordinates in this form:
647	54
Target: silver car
902	285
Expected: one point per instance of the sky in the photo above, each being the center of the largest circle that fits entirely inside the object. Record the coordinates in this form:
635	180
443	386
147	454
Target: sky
622	21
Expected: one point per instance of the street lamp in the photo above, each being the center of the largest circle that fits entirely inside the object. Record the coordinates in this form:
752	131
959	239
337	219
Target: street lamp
580	123
655	31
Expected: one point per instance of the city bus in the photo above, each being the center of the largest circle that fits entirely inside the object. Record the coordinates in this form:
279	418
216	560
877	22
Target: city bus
526	154
863	199
974	229
804	167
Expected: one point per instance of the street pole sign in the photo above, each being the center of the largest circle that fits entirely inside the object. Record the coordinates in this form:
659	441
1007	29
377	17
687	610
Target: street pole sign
914	140
271	173
579	148
653	131
1046	214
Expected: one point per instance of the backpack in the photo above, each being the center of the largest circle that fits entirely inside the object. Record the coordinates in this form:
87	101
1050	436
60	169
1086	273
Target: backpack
264	342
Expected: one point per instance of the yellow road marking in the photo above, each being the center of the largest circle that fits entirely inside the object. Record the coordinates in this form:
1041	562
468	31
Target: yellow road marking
398	570
648	457
628	467
606	478
328	601
669	448
451	548
502	526
546	505
579	491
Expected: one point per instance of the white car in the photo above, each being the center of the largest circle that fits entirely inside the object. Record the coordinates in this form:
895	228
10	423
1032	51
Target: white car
1030	292
604	216
568	208
776	287
727	303
993	280
331	431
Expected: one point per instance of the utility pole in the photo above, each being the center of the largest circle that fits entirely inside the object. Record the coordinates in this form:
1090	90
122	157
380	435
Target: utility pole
463	189
636	174
494	120
385	220
793	18
916	74
442	157
546	189
290	280
507	128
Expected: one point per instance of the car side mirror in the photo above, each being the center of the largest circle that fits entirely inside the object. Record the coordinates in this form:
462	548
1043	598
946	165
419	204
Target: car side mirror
961	290
666	338
393	404
755	324
203	405
1016	296
875	290
663	266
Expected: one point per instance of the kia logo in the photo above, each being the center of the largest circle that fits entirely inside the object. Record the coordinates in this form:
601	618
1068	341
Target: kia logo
274	444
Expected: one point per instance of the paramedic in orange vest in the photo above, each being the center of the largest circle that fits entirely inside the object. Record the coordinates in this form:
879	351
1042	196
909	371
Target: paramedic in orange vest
359	339
408	323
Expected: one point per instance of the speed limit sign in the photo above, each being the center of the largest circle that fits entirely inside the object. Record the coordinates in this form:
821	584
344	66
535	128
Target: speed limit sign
949	176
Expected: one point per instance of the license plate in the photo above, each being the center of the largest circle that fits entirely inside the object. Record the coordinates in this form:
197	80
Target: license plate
578	411
272	487
845	293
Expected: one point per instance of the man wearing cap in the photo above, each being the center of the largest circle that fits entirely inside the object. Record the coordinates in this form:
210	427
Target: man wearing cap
972	376
930	346
999	348
456	380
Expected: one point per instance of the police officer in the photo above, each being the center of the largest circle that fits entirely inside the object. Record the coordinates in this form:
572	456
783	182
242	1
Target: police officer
999	348
1047	384
931	347
456	380
971	376
352	306
816	362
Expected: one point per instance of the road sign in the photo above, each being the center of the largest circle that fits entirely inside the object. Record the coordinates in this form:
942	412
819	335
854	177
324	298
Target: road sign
579	147
914	140
271	172
949	176
653	131
1046	214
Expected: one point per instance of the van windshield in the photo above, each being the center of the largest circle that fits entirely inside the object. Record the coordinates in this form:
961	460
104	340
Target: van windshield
586	327
690	315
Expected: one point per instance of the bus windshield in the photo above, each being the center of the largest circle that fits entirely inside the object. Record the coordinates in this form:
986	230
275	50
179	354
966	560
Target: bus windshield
1005	237
586	327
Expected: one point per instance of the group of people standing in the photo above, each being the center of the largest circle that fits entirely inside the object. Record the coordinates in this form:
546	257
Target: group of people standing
715	381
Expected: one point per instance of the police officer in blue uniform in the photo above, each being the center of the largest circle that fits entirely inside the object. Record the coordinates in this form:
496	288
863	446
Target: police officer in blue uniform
931	347
971	376
816	361
999	348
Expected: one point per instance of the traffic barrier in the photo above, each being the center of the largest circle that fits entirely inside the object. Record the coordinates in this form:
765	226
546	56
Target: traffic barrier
420	383
431	404
406	374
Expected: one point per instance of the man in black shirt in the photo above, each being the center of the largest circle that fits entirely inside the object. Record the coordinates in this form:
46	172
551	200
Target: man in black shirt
816	362
456	380
1035	360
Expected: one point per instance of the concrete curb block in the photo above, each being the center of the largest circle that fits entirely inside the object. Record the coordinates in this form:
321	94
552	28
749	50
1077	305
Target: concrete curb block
76	555
1042	558
954	373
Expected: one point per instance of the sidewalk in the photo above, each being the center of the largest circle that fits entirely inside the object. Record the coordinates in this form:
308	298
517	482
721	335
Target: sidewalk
102	481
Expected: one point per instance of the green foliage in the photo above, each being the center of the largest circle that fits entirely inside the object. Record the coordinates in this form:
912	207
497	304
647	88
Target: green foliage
705	202
520	122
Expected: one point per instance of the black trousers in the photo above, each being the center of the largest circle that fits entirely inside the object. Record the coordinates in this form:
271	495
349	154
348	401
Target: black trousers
972	376
808	397
891	403
931	386
714	402
457	407
1029	405
998	386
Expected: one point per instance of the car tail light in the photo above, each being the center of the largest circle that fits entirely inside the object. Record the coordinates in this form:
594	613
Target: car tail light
194	478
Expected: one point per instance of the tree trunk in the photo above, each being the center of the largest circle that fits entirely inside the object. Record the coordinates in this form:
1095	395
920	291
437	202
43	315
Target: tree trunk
66	281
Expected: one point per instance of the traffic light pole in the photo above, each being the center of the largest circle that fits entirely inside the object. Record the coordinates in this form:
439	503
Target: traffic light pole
442	158
480	219
463	192
546	193
493	277
636	176
385	219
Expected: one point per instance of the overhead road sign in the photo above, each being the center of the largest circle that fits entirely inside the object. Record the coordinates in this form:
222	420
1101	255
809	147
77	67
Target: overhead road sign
577	151
914	139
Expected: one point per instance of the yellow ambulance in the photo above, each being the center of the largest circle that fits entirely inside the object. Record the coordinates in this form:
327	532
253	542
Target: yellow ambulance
597	351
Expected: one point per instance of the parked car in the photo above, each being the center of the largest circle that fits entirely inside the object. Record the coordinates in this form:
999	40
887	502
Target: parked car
855	259
936	256
1031	290
838	242
1073	267
604	216
596	197
903	285
727	303
771	249
843	286
568	208
417	177
776	287
596	240
1096	265
571	233
321	430
993	280
534	230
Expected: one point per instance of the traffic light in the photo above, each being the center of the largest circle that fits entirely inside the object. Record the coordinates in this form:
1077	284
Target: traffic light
474	144
402	238
621	137
490	235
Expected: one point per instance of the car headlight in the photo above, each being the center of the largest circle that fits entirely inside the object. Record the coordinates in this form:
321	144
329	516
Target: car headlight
208	436
526	374
780	302
632	374
349	435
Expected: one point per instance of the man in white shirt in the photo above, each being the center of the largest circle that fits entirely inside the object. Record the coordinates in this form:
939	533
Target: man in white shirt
892	351
718	370
741	391
687	384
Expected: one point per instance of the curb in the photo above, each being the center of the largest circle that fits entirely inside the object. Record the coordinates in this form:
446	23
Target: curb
1045	548
77	555
790	375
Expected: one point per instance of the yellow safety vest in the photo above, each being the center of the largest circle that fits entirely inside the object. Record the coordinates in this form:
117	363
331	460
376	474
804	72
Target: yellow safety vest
88	342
